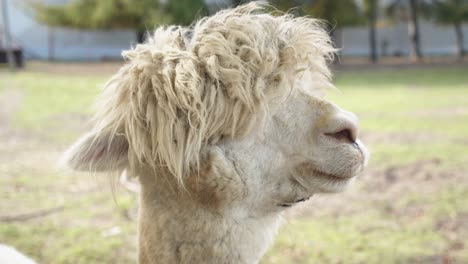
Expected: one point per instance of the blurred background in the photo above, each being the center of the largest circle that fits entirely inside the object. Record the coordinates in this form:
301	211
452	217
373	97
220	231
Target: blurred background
401	68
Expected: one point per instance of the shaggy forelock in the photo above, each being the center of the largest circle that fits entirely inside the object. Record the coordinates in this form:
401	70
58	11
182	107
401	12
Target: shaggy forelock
184	88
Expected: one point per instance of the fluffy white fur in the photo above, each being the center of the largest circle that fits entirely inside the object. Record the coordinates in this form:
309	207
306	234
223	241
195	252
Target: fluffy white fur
224	126
9	255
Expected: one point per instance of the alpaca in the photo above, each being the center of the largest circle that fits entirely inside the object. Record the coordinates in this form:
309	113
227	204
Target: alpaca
225	126
9	255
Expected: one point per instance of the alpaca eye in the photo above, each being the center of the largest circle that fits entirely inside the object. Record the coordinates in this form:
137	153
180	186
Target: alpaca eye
281	45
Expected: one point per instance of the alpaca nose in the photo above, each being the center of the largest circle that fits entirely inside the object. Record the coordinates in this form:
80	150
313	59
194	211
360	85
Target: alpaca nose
343	135
343	127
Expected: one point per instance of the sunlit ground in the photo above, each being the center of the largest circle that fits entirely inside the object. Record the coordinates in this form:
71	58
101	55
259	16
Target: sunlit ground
411	206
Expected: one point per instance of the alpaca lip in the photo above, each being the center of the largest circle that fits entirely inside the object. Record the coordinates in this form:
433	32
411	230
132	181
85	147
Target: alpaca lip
293	203
309	169
329	176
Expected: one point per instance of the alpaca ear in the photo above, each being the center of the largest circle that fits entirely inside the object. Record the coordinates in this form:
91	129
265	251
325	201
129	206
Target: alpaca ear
98	152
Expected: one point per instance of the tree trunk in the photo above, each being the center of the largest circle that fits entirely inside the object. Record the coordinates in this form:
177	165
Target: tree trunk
372	33
459	35
6	31
413	31
141	36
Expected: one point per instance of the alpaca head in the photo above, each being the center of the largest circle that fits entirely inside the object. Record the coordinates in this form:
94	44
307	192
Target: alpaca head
230	110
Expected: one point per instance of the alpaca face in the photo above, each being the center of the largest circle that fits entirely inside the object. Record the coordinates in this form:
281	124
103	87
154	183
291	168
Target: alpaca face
226	110
308	146
319	142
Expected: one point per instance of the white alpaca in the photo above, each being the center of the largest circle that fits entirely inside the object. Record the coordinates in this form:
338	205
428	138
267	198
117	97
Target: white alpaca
224	127
9	255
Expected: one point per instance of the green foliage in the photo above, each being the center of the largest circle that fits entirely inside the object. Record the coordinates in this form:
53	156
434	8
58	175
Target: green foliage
102	14
369	6
338	13
399	10
109	14
184	11
237	2
286	5
450	11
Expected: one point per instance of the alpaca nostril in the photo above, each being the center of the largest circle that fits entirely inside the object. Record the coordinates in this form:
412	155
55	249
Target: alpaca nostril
343	135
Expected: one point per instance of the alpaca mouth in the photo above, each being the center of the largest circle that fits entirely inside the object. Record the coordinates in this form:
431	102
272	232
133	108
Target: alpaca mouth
329	176
293	203
324	177
308	176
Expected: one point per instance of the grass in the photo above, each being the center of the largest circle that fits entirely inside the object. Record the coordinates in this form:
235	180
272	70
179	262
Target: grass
363	238
443	203
406	100
374	235
416	114
81	232
62	245
47	96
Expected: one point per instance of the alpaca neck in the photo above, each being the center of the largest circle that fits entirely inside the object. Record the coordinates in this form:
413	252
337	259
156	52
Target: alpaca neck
176	228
